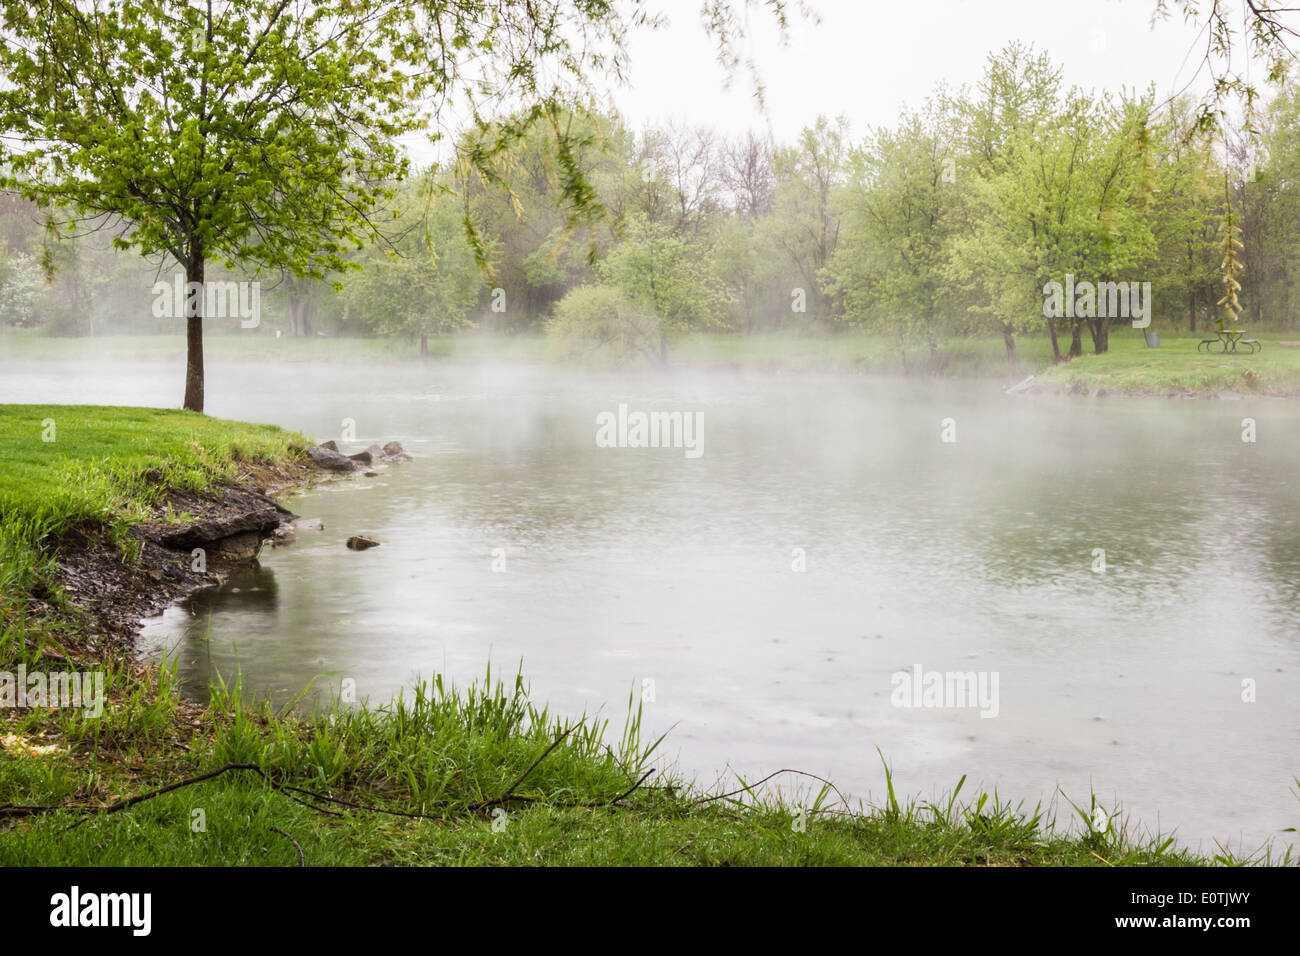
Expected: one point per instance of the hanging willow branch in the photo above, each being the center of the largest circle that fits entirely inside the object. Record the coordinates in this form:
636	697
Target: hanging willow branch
1232	267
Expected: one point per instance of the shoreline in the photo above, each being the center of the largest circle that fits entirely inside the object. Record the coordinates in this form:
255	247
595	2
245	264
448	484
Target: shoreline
430	779
1030	387
230	524
117	597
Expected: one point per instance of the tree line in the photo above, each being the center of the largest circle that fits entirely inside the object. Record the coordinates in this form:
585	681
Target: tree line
949	223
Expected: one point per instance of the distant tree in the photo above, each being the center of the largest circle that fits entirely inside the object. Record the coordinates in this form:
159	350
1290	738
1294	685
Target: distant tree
424	284
655	287
900	210
1068	191
1267	192
540	247
1188	182
20	289
748	262
806	227
1233	38
601	319
747	175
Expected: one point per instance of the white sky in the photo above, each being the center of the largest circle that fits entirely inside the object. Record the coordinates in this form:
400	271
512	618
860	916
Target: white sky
867	58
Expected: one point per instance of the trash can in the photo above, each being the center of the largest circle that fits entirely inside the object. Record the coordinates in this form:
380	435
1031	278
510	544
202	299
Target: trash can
1153	340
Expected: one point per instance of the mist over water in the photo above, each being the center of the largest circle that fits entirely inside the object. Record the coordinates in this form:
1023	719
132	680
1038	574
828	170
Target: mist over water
627	564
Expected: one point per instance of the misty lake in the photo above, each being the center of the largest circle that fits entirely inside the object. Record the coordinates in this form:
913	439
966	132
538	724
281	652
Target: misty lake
614	571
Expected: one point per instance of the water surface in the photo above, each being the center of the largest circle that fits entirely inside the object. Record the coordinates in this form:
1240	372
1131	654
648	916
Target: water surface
628	566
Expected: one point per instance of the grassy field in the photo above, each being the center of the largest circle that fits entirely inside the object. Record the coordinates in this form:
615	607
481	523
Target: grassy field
474	775
1177	366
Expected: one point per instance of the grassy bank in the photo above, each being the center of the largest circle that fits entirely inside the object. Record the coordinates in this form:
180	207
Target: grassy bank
457	777
1177	367
66	467
477	775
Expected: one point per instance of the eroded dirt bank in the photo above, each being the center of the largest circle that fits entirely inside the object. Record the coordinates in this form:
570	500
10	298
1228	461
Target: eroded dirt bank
192	542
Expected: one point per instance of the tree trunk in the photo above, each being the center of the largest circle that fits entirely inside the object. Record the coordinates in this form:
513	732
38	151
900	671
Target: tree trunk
424	344
1009	341
302	310
1191	311
1076	340
1101	341
194	330
1051	331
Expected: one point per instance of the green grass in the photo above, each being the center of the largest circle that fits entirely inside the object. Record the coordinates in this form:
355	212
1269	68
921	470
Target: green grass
451	756
422	780
1176	366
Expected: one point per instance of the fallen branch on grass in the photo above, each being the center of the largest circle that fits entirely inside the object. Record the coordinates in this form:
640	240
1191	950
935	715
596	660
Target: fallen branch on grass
290	791
510	790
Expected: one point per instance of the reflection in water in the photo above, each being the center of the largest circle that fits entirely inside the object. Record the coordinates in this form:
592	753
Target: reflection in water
253	589
622	565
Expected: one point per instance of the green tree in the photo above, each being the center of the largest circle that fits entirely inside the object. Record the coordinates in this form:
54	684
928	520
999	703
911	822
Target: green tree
540	248
1268	195
806	227
655	287
20	290
240	133
423	284
1189	190
1069	194
900	209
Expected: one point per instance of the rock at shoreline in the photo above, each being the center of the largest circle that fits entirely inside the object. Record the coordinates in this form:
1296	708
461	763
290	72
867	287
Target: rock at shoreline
326	455
287	533
393	451
240	547
223	532
234	531
329	459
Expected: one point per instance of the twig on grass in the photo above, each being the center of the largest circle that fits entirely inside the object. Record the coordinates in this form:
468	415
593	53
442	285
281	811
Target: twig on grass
510	790
302	860
757	783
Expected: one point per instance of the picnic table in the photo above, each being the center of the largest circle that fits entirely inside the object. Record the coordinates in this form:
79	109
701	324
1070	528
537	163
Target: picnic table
1227	340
